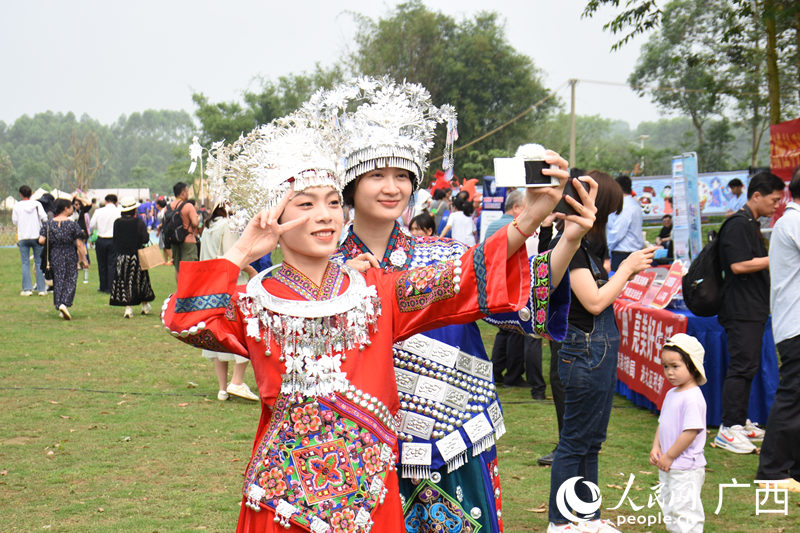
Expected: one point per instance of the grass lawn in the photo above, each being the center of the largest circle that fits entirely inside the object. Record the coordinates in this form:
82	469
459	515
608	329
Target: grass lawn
108	425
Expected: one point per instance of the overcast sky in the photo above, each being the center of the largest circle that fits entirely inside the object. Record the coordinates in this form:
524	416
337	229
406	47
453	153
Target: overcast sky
107	58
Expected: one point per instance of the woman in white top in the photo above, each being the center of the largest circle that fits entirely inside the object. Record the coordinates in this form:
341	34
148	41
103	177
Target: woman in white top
218	238
461	223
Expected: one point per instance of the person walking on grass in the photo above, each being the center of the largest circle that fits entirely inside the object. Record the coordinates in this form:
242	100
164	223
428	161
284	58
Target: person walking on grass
779	461
63	237
103	221
131	285
681	435
29	216
186	250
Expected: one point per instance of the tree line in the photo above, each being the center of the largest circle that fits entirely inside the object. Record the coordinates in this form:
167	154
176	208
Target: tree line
706	62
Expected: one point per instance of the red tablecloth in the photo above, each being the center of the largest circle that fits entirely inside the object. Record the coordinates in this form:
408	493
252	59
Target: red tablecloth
643	331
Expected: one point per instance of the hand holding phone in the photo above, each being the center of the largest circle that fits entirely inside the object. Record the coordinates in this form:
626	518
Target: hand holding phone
569	190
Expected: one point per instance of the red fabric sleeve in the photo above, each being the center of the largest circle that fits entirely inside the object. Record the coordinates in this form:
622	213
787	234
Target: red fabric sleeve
425	298
203	311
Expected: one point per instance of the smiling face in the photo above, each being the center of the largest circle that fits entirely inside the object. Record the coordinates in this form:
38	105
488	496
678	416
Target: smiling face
382	194
318	238
675	370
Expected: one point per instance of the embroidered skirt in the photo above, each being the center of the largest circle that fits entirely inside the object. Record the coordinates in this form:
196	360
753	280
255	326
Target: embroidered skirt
131	284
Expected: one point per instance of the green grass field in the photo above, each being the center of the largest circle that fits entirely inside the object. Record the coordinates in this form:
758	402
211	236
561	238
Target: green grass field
112	425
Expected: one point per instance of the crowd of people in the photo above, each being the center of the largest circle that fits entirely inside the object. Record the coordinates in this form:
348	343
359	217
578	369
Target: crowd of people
370	368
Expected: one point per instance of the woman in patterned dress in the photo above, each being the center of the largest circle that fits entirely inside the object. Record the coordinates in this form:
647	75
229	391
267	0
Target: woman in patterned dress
64	240
131	285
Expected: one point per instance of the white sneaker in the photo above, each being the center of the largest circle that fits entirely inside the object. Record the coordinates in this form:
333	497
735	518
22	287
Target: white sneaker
753	432
596	526
242	391
222	396
553	528
128	312
146	308
734	440
26	293
43	293
62	309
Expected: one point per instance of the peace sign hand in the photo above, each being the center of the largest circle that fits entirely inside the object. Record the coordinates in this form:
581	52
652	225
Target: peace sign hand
261	235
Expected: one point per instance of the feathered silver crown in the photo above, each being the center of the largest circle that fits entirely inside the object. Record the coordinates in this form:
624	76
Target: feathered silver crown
254	172
382	123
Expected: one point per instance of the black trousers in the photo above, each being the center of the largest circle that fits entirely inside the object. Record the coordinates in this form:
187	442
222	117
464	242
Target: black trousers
556	386
744	347
780	452
533	366
106	262
508	356
515	354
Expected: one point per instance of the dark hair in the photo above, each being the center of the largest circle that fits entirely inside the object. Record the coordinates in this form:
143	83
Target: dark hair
178	188
735	182
424	222
111	198
609	200
439	194
25	191
625	183
666	216
161	202
764	182
219	211
349	193
467	208
576	173
130	213
60	205
794	185
686	361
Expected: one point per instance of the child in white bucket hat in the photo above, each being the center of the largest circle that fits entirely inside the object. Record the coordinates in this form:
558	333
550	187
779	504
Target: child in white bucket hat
681	435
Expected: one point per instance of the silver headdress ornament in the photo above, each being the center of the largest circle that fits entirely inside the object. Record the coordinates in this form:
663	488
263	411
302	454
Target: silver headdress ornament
382	123
254	173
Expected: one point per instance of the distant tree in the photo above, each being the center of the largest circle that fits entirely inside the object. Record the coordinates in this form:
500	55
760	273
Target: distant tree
779	20
684	72
468	64
80	161
226	121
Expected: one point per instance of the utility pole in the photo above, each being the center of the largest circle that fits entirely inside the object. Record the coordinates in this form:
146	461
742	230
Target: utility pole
573	82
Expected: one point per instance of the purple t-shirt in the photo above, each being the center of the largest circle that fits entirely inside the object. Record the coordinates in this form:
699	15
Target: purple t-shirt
679	412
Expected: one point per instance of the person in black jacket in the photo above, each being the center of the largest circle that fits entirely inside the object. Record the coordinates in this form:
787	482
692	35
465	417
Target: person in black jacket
131	285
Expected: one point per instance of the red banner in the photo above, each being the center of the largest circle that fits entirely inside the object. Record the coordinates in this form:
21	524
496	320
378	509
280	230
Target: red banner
643	331
784	157
784	148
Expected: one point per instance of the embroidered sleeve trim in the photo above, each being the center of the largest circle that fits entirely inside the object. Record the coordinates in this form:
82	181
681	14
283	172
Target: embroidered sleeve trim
200	303
479	266
540	292
417	289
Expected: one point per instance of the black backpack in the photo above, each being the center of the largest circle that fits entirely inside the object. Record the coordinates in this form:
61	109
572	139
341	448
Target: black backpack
704	283
172	227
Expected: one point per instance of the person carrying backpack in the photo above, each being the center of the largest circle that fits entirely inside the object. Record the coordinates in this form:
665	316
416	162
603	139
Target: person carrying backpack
182	239
745	308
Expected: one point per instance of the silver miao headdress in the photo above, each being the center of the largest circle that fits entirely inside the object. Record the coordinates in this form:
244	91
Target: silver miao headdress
384	123
254	172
